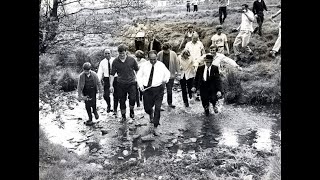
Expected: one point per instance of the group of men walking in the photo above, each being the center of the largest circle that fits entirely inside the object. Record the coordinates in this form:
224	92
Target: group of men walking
139	79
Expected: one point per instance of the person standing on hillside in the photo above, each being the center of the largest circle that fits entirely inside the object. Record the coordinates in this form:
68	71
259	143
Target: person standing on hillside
258	7
277	44
125	65
188	5
140	60
152	77
154	43
195	5
88	86
246	28
223	10
188	35
208	82
170	60
220	39
187	67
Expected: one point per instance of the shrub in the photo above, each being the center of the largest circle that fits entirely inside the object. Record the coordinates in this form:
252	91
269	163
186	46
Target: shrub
62	58
232	86
68	80
81	58
46	64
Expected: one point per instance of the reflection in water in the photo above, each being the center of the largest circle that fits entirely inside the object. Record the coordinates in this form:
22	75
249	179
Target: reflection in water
228	138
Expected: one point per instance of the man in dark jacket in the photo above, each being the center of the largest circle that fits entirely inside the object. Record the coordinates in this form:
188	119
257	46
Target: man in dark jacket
208	81
257	9
88	86
154	43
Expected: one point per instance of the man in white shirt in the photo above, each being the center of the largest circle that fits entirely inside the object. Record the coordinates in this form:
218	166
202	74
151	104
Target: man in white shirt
220	40
195	5
152	77
103	73
195	47
246	28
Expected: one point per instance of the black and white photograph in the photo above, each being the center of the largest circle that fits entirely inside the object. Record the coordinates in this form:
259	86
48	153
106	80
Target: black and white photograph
160	89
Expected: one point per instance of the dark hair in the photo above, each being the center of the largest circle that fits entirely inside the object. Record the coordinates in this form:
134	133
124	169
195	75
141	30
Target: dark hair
122	48
86	66
139	54
166	46
213	46
245	5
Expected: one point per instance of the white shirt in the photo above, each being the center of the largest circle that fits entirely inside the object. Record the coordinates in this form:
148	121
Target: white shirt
103	70
160	74
205	72
219	39
195	2
195	49
187	66
246	24
218	59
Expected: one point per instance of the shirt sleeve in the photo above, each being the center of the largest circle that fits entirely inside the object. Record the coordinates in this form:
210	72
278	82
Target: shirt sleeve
167	73
229	61
113	68
225	38
100	72
140	75
135	65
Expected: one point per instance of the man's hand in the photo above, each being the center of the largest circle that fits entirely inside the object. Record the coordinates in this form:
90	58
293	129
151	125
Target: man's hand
239	68
141	88
193	89
100	96
111	89
218	94
79	98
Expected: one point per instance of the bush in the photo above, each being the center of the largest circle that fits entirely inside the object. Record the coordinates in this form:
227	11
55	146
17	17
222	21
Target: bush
68	80
46	64
81	58
232	86
62	58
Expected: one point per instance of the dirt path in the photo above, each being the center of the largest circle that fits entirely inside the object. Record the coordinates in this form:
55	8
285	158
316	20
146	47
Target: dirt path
182	130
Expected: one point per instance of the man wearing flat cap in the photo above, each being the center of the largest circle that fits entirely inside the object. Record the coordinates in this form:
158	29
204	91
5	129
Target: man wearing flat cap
208	82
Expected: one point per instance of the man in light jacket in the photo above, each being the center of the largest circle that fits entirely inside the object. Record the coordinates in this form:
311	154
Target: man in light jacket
170	60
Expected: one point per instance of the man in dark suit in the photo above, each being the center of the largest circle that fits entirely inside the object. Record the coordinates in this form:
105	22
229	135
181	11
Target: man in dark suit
154	43
208	81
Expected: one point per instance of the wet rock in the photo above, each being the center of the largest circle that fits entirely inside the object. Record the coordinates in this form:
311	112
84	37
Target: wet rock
63	161
142	175
177	160
106	162
193	157
136	136
99	166
169	145
125	152
179	153
133	159
202	170
187	141
200	136
160	177
193	140
148	137
248	177
121	158
174	141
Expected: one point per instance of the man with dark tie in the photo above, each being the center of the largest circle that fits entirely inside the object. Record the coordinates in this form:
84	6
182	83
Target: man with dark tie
152	77
208	81
104	74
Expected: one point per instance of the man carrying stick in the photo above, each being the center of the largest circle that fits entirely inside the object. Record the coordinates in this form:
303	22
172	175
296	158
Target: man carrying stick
152	77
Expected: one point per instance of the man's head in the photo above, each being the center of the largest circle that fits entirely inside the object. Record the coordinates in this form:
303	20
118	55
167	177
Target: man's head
107	54
166	48
151	35
208	60
244	7
122	49
219	29
139	54
213	49
195	38
152	56
190	27
86	67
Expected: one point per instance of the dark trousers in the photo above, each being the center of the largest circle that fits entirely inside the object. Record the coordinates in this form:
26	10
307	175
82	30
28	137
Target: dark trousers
208	95
153	97
91	103
169	86
222	11
139	95
125	89
195	8
106	93
116	98
186	86
260	20
188	8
